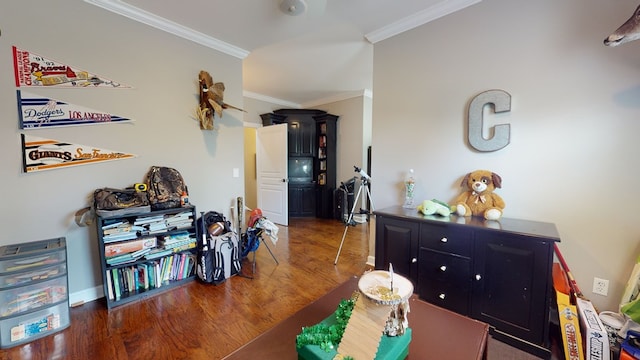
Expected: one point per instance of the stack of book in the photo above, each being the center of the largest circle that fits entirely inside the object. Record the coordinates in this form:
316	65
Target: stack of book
179	221
120	230
153	224
128	251
178	241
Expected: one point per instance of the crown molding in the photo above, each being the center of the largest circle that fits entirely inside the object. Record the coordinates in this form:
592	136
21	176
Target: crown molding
338	97
420	18
139	15
272	100
291	105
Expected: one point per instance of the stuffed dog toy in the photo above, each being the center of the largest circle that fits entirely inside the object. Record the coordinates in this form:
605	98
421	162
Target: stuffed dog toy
479	199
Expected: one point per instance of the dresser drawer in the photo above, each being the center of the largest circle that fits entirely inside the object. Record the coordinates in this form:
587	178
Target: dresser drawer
447	295
448	240
452	269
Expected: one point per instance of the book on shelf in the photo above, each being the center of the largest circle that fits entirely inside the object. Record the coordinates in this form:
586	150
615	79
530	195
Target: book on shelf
173	240
135	279
127	258
143	273
185	246
179	236
158	253
179	216
123	228
114	224
149	275
125	247
119	237
183	259
116	283
148	219
110	293
156	272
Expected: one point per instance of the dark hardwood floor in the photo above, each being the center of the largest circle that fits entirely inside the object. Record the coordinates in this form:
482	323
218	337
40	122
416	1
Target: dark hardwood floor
199	321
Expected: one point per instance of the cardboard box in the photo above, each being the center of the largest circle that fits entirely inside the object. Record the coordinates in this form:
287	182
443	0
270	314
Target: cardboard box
594	334
570	328
568	316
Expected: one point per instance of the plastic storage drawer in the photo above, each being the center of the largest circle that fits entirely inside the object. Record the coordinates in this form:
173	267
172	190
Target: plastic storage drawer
24	257
30	326
28	276
15	300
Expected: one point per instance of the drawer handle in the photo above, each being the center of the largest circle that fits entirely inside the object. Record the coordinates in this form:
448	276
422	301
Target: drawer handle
441	296
414	260
478	277
443	268
444	240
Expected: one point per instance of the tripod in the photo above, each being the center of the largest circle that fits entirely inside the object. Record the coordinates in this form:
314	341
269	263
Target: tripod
364	182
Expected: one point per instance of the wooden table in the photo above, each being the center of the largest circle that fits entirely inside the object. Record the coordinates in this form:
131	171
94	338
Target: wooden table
437	333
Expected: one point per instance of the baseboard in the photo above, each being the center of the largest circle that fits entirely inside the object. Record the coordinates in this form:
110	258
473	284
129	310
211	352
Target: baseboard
86	295
371	261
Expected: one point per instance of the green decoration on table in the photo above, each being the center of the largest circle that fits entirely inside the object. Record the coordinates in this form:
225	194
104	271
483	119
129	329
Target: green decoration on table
327	337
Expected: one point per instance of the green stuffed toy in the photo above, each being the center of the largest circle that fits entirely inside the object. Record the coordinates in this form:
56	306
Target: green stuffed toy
430	207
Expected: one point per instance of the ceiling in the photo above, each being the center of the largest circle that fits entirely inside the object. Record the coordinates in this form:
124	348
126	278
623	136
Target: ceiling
324	54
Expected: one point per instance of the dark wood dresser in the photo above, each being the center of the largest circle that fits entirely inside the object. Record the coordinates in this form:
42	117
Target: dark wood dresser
498	272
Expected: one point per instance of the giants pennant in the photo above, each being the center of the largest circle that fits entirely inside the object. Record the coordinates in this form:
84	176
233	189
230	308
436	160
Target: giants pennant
46	154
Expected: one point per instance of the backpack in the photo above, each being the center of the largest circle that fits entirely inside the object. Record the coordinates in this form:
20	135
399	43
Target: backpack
116	199
218	256
165	186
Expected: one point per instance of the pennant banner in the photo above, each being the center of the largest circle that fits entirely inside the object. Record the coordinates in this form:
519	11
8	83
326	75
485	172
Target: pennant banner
46	154
37	112
35	70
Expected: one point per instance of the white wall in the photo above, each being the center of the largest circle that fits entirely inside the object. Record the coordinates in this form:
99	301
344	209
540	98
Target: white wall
575	119
353	134
163	70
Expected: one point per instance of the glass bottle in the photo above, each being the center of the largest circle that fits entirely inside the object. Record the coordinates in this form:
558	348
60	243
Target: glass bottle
409	186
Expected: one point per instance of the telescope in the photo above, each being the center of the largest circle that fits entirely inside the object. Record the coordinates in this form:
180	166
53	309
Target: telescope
365	178
362	173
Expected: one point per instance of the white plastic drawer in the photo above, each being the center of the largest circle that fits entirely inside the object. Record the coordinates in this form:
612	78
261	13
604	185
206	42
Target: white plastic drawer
16	300
28	327
37	274
28	263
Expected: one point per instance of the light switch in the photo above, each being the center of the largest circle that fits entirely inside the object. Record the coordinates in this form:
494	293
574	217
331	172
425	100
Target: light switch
236	172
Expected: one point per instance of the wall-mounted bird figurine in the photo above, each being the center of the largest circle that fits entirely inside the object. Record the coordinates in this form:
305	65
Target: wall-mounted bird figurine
211	100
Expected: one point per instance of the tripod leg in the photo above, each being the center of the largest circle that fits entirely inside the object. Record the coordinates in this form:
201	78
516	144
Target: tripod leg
355	203
368	194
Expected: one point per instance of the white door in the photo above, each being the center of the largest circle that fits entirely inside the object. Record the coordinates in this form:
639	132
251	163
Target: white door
271	171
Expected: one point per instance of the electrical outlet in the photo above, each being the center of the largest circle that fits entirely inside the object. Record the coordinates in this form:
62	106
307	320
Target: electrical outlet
600	286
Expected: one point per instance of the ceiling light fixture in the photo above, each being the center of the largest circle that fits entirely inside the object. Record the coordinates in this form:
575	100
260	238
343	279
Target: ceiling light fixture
293	7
